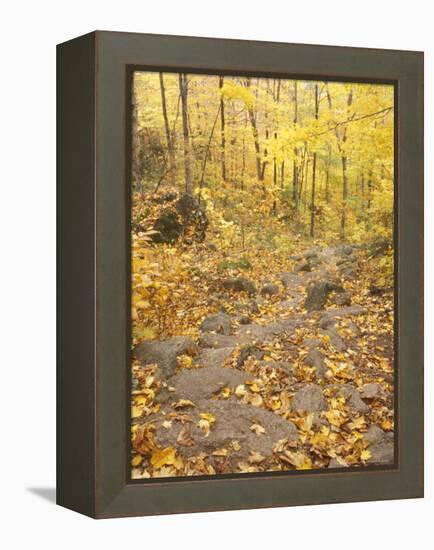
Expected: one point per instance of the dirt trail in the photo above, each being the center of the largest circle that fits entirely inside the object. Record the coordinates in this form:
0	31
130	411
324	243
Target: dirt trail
296	377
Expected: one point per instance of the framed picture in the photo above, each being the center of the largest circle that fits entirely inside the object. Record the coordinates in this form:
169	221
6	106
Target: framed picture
240	274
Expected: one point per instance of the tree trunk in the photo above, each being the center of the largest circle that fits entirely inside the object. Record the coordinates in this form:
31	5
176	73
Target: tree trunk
222	129
170	148
183	89
312	202
344	160
295	179
136	170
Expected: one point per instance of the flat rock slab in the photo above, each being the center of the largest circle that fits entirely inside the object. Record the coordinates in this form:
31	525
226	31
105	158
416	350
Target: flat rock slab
202	383
310	399
213	357
348	311
164	353
233	422
210	340
219	322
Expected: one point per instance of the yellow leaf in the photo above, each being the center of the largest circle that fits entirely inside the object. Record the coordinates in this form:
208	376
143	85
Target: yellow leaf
258	429
165	457
136	460
183	403
240	390
365	455
208	417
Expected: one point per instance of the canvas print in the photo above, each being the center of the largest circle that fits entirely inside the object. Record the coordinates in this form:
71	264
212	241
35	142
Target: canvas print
262	275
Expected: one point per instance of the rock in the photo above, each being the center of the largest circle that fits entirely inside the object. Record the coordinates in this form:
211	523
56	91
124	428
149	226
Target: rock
344	250
348	271
311	253
290	304
210	340
303	266
316	360
374	435
244	320
310	399
212	246
326	323
318	293
164	353
335	339
312	343
342	299
371	391
352	397
198	384
382	453
173	221
240	284
269	289
213	357
338	463
345	261
341	312
289	279
233	421
249	351
264	333
220	323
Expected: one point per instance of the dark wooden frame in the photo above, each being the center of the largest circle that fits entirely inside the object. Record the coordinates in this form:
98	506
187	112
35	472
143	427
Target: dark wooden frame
93	370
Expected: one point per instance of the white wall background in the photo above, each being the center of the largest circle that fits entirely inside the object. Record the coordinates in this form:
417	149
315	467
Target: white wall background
29	32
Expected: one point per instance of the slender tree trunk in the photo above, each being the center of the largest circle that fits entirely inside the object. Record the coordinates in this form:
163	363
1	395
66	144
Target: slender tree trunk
282	175
170	148
327	176
136	171
183	89
312	202
344	160
252	118
222	129
295	176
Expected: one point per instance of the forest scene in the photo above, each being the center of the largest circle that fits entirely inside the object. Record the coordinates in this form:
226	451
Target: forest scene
262	275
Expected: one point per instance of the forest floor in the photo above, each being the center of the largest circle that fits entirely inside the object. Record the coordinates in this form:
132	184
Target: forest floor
293	370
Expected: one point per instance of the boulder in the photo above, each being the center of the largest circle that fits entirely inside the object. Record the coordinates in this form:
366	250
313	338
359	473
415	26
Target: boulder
213	357
269	289
210	340
233	422
316	359
310	399
240	284
334	338
289	279
303	266
342	299
249	351
202	383
318	293
352	397
164	353
344	250
342	312
371	391
382	453
374	435
220	323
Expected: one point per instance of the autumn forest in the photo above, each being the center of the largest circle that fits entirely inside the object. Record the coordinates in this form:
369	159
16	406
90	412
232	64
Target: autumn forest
262	274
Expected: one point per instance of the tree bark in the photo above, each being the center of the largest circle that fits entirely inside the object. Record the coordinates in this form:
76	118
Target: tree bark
312	202
222	129
170	148
136	170
183	89
295	175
